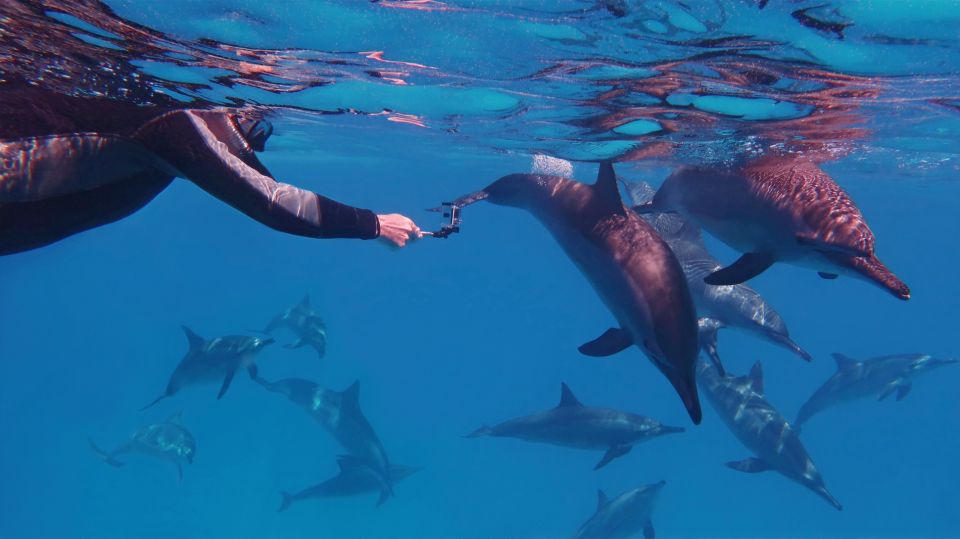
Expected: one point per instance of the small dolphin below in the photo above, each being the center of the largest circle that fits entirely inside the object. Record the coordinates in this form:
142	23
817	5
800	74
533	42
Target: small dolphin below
216	359
355	478
305	323
880	377
630	267
777	209
761	428
571	424
168	440
623	516
340	414
737	306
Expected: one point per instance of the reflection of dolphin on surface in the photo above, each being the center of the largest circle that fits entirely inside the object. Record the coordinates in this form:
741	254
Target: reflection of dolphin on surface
305	323
168	440
339	413
877	377
624	515
355	478
740	403
736	305
216	359
571	424
630	267
777	209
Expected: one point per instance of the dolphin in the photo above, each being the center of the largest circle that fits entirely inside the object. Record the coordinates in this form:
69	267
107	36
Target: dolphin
355	478
168	440
624	515
741	404
339	413
629	266
212	360
880	377
737	305
777	209
571	424
306	324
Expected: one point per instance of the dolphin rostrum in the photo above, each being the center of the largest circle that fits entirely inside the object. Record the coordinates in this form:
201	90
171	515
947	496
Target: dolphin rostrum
777	209
571	424
629	266
356	477
212	360
339	413
737	305
741	404
623	516
305	323
168	440
878	377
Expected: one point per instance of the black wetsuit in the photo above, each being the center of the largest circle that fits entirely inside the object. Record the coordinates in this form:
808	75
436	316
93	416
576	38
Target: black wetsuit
69	164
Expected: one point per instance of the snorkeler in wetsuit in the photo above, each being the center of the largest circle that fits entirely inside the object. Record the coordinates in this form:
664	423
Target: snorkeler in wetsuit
69	164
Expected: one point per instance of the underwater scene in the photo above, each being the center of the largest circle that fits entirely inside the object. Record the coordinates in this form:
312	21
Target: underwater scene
479	269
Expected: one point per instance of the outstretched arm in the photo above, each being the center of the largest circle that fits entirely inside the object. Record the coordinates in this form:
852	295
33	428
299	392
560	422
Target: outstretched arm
206	148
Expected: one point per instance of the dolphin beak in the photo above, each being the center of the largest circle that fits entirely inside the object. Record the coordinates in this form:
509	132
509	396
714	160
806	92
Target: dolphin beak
942	362
822	491
665	429
686	387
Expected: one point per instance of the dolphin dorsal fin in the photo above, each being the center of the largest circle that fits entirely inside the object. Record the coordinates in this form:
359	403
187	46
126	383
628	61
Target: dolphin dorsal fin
606	187
756	377
193	339
351	395
601	499
842	360
567	398
305	302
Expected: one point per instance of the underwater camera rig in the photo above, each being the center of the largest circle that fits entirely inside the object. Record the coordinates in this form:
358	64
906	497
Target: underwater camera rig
450	211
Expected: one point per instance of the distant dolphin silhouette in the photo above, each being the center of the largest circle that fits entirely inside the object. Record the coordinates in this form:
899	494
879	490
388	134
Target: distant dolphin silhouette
630	267
624	515
305	323
356	477
168	440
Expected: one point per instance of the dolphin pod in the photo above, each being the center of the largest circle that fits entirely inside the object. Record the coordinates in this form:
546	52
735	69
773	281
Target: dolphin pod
571	424
741	404
777	209
168	440
629	266
878	377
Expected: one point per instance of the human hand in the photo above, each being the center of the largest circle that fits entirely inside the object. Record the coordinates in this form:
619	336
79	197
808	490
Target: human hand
397	229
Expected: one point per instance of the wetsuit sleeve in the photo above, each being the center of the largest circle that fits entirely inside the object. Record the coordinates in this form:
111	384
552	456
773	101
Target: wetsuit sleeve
205	148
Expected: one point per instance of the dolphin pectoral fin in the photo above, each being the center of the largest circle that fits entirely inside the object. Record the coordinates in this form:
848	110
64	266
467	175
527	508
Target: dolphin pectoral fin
887	391
822	245
827	276
384	496
226	383
180	472
612	341
750	465
296	344
285	501
745	268
903	391
252	370
648	532
103	455
156	400
615	451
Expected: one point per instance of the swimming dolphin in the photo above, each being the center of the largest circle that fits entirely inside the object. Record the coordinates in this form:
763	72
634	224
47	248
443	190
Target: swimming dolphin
306	324
168	440
878	377
339	413
355	478
632	270
777	209
212	360
624	515
741	404
738	305
571	424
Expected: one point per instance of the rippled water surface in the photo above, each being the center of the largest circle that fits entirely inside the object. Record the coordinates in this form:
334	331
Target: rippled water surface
397	105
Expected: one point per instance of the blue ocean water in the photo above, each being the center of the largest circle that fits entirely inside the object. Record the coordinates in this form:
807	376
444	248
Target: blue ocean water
447	335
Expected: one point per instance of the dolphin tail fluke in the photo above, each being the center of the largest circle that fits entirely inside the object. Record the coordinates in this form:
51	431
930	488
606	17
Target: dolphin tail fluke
286	500
104	456
482	431
154	401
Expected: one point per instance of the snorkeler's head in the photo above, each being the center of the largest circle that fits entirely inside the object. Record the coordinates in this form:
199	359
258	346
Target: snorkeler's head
256	131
